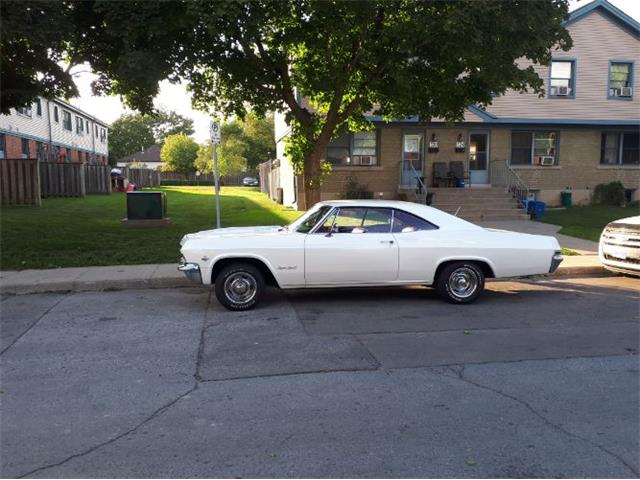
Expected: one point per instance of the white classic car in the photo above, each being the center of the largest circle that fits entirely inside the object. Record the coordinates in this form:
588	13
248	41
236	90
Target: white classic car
358	243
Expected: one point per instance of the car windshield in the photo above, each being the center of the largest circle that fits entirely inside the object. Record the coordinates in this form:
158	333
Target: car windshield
307	221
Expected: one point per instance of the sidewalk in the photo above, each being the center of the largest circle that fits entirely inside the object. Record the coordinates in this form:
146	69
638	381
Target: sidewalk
583	247
92	278
167	276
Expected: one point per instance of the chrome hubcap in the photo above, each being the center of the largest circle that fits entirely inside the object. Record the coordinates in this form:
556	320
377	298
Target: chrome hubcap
240	287
463	282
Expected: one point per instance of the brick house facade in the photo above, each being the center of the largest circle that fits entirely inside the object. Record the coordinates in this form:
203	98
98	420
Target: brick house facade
584	132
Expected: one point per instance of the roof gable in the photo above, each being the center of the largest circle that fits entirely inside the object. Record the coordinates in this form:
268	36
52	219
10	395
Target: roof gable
610	11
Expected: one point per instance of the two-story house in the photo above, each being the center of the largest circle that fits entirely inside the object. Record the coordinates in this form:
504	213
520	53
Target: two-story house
54	131
585	131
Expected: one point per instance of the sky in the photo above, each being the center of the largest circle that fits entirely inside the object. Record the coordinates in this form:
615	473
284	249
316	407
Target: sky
175	96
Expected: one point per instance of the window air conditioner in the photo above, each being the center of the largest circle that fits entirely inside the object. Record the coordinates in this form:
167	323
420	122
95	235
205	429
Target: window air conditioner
562	91
546	160
625	92
366	160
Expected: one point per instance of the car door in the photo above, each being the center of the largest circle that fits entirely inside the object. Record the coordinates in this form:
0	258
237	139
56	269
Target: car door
354	246
419	246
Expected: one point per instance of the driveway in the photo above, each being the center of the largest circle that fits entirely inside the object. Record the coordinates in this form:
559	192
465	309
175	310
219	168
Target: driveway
539	378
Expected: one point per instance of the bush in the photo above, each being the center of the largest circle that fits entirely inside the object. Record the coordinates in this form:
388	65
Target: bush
355	191
611	194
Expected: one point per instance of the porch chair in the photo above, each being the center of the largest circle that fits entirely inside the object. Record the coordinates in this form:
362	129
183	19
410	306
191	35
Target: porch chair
440	174
457	172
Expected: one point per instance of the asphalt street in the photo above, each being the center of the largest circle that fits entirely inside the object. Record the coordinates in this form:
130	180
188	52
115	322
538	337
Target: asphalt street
539	378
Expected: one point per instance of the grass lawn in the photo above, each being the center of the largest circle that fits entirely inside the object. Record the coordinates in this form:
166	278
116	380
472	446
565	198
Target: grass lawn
587	222
72	232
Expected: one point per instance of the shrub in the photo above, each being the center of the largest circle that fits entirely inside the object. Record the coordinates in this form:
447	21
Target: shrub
609	194
354	191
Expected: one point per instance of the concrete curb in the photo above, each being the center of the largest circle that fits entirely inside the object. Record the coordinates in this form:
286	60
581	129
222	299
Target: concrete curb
43	286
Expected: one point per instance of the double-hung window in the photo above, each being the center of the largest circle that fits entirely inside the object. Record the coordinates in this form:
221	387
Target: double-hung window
26	111
25	148
620	148
562	81
79	125
39	107
358	149
621	80
66	120
538	147
55	114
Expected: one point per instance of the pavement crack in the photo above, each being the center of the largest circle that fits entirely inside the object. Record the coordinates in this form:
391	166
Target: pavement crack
200	353
459	370
156	413
34	324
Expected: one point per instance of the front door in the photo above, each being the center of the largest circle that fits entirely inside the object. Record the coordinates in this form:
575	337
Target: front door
412	160
478	158
354	246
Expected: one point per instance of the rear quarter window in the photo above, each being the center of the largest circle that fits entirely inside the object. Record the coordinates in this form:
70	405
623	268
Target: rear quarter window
404	222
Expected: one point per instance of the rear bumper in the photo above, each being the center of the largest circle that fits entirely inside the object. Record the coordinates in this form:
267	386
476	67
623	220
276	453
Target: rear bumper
556	260
190	270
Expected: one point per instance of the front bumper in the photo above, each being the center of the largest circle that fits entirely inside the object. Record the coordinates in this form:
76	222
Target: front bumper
190	270
556	260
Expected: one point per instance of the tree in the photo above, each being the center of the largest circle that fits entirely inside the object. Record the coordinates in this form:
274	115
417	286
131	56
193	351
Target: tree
134	132
259	137
323	63
231	157
129	134
179	153
32	48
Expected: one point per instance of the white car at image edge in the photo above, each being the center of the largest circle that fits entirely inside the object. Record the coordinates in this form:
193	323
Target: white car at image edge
619	247
360	243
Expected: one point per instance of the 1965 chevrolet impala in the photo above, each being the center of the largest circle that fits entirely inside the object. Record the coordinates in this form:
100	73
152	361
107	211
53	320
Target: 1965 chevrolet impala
358	243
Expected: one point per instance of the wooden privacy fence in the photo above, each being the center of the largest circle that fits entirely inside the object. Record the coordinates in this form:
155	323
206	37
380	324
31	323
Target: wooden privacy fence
270	179
229	180
19	181
24	181
142	177
62	179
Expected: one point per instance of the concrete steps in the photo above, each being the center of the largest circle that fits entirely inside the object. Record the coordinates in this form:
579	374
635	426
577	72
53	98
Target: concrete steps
478	204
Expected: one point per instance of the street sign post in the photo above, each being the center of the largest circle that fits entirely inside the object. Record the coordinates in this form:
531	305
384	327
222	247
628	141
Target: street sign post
214	131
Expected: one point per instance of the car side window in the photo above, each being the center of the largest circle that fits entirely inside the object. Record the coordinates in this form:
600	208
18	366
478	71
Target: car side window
358	220
404	222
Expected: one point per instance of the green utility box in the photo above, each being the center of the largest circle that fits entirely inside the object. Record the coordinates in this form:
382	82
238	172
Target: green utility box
565	197
146	206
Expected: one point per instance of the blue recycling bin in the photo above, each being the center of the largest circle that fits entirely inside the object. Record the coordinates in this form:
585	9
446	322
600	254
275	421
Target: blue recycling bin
537	209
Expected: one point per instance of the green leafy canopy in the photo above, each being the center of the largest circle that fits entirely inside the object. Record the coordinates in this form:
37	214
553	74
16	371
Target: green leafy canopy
325	64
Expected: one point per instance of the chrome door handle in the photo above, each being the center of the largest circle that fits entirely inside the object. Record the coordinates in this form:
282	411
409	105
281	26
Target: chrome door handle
390	242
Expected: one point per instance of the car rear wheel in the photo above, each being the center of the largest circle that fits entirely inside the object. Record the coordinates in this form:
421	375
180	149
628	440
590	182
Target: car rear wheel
239	286
460	282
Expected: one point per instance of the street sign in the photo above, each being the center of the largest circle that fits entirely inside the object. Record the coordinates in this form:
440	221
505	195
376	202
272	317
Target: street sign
214	132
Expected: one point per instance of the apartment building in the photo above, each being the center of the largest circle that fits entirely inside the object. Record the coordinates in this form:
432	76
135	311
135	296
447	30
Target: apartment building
54	131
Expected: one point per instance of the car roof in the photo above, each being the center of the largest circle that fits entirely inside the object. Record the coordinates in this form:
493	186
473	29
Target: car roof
433	215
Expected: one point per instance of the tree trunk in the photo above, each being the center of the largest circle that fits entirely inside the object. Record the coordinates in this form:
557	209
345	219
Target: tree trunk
312	174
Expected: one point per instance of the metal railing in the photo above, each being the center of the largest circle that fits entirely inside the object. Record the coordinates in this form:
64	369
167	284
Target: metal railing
410	178
502	175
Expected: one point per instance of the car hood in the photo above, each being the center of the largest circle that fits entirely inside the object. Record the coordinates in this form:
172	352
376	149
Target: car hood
231	232
631	223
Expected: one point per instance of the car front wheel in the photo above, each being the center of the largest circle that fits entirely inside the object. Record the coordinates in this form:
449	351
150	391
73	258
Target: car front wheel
239	286
460	282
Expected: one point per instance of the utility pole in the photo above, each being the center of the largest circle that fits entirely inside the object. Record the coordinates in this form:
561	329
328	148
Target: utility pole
214	130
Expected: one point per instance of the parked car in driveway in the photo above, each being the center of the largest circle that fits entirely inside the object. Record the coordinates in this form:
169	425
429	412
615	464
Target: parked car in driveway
619	247
250	182
358	243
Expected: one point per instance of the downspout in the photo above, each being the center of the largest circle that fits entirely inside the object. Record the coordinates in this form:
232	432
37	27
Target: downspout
50	152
